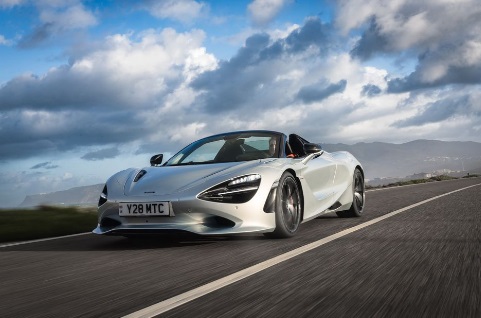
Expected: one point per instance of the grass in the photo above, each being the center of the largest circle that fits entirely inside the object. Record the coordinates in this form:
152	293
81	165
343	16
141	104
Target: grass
45	221
471	176
419	181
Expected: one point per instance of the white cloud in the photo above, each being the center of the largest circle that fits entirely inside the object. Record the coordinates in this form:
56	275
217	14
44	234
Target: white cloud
185	11
262	12
71	17
445	37
411	23
5	41
58	18
10	3
123	90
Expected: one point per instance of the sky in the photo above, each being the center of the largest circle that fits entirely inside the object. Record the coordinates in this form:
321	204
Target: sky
89	88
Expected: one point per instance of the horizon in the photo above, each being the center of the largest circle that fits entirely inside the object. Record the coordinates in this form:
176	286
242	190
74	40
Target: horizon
88	88
375	179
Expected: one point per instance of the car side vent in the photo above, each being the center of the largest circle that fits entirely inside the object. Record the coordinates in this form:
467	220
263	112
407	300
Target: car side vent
336	205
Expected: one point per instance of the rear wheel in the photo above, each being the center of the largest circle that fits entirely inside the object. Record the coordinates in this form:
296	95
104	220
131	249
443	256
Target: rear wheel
358	199
288	207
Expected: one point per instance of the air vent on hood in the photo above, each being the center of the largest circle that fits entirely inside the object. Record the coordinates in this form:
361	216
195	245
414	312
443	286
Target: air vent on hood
140	175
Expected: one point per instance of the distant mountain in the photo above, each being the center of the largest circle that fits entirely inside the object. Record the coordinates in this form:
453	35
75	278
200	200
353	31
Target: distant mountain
382	162
80	196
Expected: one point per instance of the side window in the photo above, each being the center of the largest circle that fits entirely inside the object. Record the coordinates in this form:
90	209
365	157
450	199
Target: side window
268	145
258	143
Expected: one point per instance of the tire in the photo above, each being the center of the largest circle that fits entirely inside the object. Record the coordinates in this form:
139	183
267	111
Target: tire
288	207
358	199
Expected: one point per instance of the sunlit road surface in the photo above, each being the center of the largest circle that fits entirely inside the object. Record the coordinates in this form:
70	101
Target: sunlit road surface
424	261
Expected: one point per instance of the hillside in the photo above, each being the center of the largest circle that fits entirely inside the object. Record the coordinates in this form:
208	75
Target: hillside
381	160
87	195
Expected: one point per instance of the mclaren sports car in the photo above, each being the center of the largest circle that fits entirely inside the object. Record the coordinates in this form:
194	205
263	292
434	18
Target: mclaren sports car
237	182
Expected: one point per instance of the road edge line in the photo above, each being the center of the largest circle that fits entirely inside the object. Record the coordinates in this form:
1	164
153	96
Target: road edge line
42	240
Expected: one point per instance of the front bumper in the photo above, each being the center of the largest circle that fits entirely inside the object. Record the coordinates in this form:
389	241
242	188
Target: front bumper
193	215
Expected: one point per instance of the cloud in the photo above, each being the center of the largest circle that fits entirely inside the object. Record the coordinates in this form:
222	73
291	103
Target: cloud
106	153
45	165
185	11
37	36
10	3
447	65
67	18
251	77
57	18
439	111
370	90
135	91
118	92
370	43
445	37
124	73
5	41
317	92
262	12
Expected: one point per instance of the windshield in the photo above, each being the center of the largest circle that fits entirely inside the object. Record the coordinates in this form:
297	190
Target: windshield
229	148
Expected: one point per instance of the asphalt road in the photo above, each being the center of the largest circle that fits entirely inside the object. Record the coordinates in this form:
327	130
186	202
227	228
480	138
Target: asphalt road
423	262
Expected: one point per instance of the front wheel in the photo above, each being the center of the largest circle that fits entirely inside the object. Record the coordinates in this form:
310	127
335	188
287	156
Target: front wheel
288	207
358	198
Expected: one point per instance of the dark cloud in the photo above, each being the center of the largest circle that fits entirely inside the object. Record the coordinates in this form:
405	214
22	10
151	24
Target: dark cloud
58	19
31	134
25	149
150	148
454	74
439	111
45	165
370	90
317	92
39	35
371	42
105	96
61	88
106	153
313	34
235	83
445	38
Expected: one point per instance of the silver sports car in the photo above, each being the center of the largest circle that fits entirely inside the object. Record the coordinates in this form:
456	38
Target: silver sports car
237	182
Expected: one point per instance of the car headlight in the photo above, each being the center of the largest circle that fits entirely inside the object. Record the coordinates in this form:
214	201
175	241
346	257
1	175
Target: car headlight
103	196
237	190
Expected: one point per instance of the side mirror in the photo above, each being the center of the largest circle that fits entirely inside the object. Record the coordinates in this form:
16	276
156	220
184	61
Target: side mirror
312	148
156	160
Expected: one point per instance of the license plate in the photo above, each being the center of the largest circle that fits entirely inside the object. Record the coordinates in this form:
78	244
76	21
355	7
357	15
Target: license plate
144	209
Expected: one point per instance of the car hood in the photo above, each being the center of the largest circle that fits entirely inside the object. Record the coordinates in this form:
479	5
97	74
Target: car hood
166	180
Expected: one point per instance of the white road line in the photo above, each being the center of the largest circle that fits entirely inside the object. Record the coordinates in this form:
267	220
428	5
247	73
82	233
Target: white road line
186	297
43	240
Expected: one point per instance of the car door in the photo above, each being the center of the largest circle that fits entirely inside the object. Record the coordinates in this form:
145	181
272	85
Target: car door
319	175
